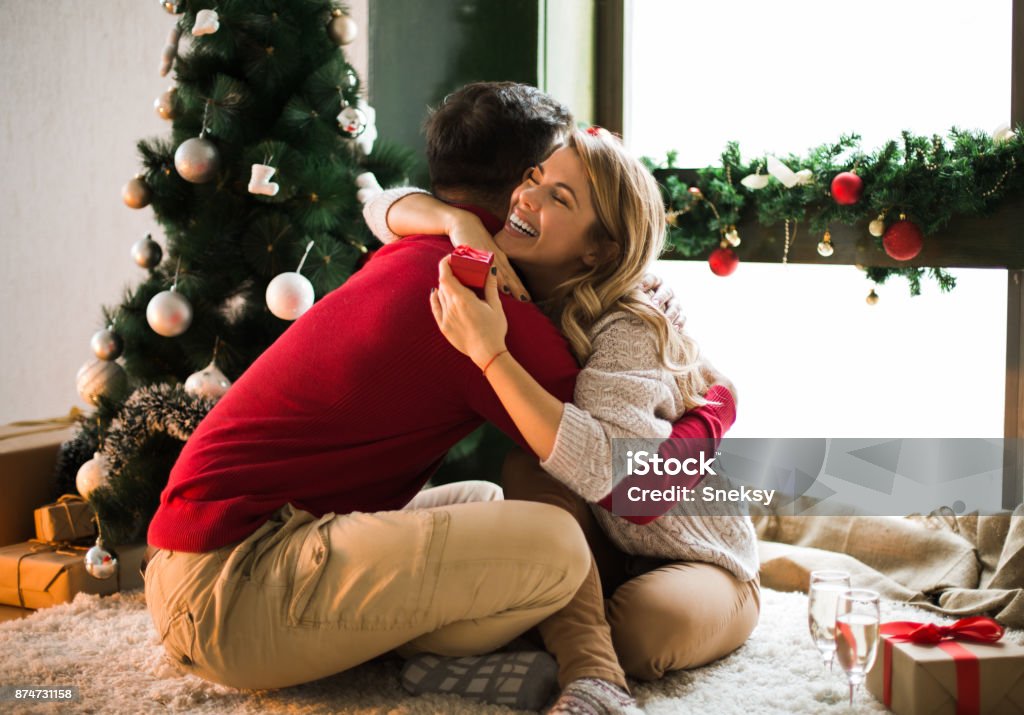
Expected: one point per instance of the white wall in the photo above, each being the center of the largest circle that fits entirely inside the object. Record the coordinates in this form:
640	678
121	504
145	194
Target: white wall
77	84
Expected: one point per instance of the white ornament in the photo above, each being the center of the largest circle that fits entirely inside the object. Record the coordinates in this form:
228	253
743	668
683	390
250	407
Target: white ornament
209	382
787	176
825	248
169	313
207	23
260	181
92	475
365	140
1002	133
170	50
877	228
368	186
289	295
755	181
101	378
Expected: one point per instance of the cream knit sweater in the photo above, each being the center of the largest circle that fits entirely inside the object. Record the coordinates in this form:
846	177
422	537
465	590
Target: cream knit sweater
624	392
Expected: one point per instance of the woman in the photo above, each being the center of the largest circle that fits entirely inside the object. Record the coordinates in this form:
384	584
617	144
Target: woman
583	228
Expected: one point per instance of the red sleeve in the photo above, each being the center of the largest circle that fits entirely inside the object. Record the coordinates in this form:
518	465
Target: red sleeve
541	349
710	421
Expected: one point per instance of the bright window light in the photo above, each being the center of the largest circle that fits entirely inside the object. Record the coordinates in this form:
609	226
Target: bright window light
810	358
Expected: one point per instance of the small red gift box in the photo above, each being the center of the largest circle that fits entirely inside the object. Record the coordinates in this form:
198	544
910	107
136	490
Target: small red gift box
961	669
471	266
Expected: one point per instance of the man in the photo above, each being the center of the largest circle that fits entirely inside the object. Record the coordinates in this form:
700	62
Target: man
281	558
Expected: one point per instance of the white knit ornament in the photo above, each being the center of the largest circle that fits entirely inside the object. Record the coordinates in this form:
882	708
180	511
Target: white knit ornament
260	181
207	23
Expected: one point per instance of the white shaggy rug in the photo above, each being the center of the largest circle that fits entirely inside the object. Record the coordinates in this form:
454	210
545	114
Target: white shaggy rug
108	649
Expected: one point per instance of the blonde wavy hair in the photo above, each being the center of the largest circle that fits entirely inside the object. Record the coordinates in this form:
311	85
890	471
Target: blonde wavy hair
630	235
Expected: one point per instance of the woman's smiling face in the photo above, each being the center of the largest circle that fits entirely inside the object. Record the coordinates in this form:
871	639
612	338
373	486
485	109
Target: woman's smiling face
547	231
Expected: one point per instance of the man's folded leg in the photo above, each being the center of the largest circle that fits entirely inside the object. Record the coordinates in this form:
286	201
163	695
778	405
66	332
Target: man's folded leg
303	598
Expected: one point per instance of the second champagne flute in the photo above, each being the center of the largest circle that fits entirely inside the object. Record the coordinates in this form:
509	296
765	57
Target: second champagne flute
822	598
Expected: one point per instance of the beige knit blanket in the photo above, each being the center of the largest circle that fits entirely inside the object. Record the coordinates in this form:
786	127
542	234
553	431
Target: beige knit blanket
956	565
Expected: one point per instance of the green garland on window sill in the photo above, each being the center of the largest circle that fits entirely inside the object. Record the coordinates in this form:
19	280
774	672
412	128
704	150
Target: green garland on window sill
926	179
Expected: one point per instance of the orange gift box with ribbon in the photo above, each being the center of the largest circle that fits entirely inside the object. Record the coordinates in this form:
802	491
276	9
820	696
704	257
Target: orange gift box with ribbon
962	669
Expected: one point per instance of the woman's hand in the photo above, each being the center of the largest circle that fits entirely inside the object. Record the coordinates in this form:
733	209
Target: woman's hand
474	327
465	229
713	377
664	298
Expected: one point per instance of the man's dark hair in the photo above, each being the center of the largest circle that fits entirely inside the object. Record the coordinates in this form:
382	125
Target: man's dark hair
483	137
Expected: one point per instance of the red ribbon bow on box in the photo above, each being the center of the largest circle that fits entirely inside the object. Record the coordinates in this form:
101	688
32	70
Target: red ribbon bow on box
977	629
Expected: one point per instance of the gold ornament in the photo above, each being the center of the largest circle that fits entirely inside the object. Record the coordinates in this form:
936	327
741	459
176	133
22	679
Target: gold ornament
136	194
342	29
872	298
877	227
164	104
732	236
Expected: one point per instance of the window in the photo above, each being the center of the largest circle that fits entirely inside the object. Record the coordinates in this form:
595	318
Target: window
808	355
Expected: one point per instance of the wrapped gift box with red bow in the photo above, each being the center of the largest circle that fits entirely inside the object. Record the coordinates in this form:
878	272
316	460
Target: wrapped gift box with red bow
471	266
962	669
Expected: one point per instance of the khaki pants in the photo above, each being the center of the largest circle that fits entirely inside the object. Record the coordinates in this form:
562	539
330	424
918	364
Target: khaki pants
304	597
633	614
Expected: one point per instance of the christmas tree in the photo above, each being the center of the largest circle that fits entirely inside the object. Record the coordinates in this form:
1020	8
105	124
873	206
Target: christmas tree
256	193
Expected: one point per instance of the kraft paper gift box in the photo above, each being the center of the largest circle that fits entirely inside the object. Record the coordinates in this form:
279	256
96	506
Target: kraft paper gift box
28	455
949	676
34	574
70	518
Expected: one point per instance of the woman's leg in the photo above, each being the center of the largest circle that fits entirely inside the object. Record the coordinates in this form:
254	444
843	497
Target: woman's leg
681	615
578	635
465	492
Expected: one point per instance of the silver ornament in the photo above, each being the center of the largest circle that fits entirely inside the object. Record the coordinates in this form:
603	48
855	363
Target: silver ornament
349	79
877	228
342	29
825	248
289	295
101	378
100	563
107	344
92	475
352	121
169	313
147	252
164	104
136	194
209	382
197	160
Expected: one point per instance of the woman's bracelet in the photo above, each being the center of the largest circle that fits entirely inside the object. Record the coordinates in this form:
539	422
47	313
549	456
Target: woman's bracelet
496	356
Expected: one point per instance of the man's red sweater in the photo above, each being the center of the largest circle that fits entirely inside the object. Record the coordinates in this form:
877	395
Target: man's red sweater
354	406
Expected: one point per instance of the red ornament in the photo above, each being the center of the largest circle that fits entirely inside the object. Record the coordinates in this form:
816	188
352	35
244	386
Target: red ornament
903	240
847	188
723	261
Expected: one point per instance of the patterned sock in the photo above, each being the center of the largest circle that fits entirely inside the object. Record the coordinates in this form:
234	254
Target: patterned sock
593	696
524	680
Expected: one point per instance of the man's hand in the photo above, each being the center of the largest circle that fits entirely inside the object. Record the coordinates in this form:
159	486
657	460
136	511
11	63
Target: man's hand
474	327
713	377
663	297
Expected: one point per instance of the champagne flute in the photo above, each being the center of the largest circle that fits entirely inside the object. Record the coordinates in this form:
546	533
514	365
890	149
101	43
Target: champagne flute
857	618
822	598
